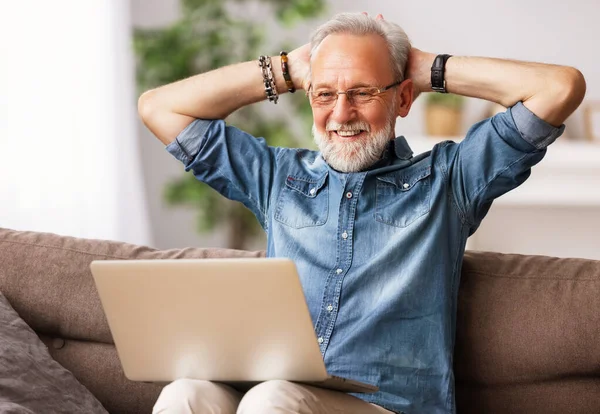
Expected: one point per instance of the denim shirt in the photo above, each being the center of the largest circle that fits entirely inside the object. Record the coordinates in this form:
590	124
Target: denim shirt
378	252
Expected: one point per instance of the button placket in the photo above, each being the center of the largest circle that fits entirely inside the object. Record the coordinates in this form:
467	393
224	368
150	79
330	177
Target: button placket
331	299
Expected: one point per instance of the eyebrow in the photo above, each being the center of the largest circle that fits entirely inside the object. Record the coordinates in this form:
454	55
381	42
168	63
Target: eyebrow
354	86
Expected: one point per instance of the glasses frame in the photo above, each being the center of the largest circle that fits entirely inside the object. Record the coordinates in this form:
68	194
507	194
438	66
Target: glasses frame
350	100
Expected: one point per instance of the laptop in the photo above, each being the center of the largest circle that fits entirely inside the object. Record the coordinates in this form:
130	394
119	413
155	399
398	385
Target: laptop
235	321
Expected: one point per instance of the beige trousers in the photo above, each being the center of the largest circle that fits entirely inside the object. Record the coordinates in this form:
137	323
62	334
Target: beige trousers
187	396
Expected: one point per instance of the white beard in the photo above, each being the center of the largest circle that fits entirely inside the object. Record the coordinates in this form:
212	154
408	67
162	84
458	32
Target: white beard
354	155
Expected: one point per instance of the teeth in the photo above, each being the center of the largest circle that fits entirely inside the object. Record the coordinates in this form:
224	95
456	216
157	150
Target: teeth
348	133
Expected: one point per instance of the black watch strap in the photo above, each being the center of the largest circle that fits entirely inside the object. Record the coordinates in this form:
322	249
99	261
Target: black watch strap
438	81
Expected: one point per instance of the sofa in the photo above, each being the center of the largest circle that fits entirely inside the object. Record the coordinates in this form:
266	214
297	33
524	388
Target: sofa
528	327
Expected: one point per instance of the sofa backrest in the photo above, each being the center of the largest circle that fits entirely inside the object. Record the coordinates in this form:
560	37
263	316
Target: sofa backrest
528	334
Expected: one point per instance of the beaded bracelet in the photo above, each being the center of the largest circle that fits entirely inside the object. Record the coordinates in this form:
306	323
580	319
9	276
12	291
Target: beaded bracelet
267	71
286	75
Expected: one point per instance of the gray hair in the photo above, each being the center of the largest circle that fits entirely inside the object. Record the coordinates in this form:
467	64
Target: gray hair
360	24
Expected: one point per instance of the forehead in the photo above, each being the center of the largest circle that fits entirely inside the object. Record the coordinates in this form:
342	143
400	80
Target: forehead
345	60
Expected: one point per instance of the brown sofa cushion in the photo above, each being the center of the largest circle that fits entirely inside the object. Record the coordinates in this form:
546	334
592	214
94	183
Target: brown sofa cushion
30	380
47	279
528	334
97	366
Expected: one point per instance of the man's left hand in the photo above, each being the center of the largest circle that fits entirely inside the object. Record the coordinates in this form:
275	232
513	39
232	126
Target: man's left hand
418	68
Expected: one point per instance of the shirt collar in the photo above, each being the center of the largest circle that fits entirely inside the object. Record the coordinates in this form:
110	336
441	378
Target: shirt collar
402	149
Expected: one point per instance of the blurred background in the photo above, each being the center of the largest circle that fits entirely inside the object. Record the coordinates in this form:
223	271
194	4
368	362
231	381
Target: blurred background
76	160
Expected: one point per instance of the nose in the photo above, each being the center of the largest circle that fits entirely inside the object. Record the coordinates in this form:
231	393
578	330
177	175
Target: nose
343	110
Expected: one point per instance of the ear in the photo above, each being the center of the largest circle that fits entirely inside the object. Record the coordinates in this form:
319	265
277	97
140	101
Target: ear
404	97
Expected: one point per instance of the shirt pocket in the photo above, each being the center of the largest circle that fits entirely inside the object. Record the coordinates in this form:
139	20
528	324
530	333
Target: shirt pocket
403	197
303	202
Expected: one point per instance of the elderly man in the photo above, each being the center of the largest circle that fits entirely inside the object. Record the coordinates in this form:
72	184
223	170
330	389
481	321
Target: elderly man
377	233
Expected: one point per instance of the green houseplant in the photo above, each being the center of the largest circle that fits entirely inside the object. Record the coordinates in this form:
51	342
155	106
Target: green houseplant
208	36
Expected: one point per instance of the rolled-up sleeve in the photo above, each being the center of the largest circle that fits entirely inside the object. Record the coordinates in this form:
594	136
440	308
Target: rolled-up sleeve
189	141
533	129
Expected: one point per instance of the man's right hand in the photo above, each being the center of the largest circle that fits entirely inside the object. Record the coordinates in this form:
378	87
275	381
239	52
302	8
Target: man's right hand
299	66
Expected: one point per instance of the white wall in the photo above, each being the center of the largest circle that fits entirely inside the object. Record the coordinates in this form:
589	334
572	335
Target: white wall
562	33
558	231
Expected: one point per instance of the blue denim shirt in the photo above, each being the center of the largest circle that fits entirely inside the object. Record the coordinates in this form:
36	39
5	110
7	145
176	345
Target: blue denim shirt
379	252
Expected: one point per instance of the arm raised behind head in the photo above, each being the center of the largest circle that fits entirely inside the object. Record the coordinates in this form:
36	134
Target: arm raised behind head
168	109
552	92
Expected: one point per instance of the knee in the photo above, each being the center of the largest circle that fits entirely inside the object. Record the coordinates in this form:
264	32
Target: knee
173	395
194	396
271	397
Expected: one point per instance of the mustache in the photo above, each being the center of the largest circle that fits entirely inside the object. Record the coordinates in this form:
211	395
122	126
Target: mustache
347	126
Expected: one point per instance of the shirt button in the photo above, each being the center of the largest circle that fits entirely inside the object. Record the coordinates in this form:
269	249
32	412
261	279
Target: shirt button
344	235
348	194
329	308
406	185
338	271
312	191
320	340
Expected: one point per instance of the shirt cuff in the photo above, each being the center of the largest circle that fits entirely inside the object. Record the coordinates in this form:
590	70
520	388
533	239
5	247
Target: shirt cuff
533	129
189	141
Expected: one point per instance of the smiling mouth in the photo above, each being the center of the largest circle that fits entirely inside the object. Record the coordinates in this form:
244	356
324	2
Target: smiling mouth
349	134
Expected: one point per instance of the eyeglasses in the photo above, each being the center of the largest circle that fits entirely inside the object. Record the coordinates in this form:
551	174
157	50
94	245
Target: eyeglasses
356	96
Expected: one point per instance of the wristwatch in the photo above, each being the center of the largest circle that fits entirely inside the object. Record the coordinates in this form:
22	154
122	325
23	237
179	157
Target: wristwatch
438	82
